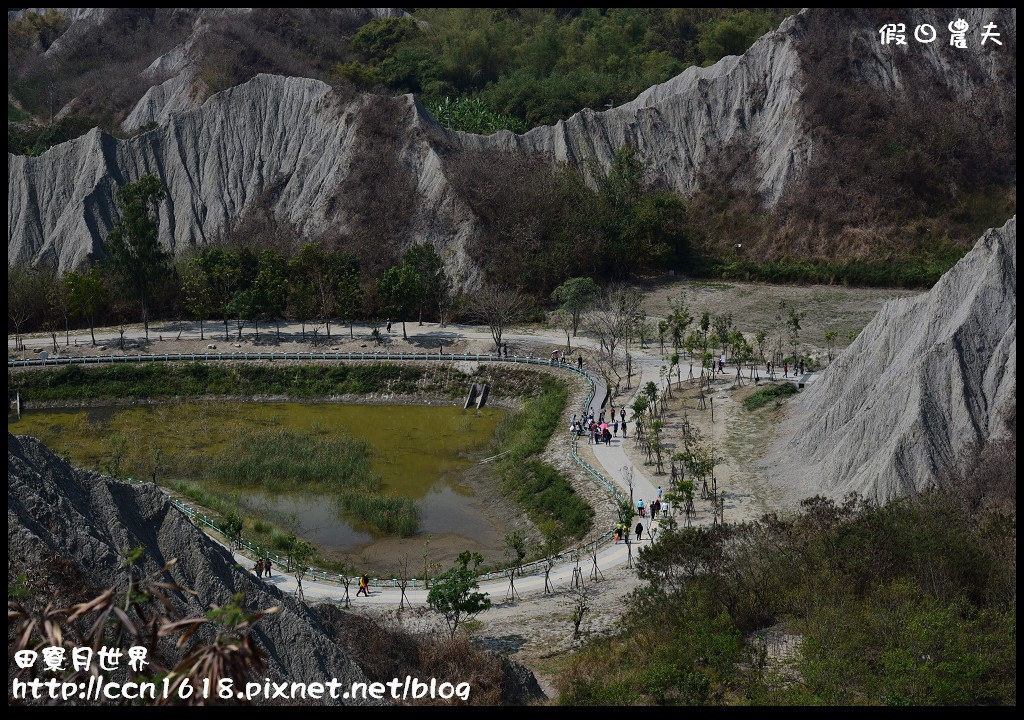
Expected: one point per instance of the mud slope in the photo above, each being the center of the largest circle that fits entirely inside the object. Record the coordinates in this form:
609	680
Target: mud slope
928	378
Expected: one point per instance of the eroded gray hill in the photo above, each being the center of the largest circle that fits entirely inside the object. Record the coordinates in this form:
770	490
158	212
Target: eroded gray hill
376	170
928	381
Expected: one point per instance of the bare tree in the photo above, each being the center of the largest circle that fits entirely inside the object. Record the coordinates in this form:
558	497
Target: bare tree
498	308
580	607
25	290
627	475
403	582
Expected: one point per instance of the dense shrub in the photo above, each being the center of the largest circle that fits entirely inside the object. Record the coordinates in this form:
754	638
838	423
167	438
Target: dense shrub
913	602
766	395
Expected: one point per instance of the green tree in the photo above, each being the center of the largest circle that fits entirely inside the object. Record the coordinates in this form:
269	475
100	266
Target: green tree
723	326
434	281
679	318
87	295
455	594
761	341
244	305
270	289
575	296
705	326
515	547
58	306
320	271
350	297
135	255
198	294
222	273
400	289
793	319
300	295
830	343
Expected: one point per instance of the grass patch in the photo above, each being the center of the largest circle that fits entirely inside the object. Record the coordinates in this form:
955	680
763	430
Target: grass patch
279	460
175	380
766	395
548	496
256	529
918	271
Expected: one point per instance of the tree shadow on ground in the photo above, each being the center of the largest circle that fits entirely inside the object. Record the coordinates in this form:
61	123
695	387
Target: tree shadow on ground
433	340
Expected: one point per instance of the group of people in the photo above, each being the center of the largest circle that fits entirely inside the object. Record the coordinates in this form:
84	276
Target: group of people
558	358
600	430
622	530
798	369
263	566
655	506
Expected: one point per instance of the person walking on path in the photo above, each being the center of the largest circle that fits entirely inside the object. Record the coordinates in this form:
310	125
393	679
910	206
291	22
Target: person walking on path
579	362
259	568
615	425
623	427
364	586
639	531
640	507
659	492
267	565
785	369
607	437
389	325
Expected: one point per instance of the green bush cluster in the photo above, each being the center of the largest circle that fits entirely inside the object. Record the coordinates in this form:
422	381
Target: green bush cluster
914	272
910	603
766	395
549	498
164	380
472	115
538	66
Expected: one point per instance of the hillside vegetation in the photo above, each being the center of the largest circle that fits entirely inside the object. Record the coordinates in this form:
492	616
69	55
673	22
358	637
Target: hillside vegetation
913	603
480	69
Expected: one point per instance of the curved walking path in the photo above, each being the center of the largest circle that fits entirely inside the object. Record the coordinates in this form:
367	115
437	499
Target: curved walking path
612	459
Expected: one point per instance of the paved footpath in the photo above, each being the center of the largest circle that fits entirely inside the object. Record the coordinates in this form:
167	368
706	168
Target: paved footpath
612	459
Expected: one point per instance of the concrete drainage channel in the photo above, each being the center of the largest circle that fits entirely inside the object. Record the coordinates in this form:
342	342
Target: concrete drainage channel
476	398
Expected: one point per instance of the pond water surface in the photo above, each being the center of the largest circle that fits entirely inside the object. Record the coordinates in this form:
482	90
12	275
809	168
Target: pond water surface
420	452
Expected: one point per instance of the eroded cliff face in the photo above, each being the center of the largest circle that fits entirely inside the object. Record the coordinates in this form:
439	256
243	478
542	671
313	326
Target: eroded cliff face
373	168
911	400
71	528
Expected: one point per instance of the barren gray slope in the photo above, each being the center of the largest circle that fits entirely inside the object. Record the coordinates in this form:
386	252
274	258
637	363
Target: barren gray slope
929	376
81	517
290	139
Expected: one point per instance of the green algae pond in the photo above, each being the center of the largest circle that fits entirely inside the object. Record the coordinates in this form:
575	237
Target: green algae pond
342	476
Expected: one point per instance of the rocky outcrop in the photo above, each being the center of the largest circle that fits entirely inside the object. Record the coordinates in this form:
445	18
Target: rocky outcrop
82	523
308	153
907	405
